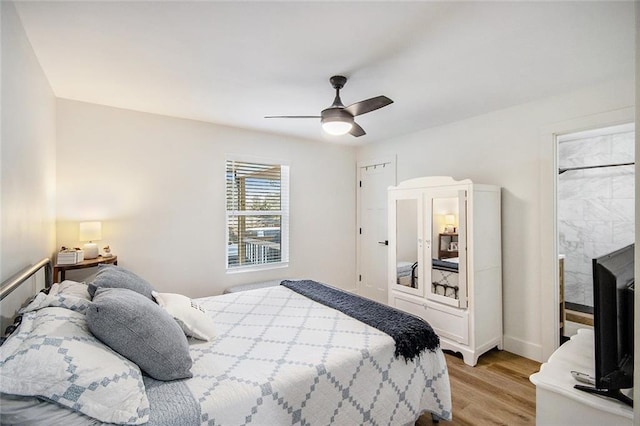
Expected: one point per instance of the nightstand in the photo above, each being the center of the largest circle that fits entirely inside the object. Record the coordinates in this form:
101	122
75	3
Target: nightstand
446	249
89	263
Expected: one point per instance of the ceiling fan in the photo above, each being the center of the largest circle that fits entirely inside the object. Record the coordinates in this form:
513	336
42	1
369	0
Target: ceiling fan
338	119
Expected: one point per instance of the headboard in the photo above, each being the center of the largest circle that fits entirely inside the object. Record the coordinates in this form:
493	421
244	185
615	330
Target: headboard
14	282
12	304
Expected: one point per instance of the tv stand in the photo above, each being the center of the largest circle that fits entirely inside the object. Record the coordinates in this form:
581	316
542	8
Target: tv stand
609	393
559	403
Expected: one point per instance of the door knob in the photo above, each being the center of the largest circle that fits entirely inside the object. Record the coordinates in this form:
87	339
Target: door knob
384	243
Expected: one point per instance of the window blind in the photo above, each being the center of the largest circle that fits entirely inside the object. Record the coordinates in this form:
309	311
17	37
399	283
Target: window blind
257	213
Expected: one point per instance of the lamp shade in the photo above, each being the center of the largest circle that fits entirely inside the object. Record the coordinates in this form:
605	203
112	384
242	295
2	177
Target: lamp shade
450	219
90	231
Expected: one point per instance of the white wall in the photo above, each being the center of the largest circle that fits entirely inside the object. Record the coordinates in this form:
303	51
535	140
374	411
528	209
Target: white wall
509	148
27	156
157	184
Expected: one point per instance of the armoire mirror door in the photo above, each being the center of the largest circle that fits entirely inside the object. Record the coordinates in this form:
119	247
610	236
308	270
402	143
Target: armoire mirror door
407	244
445	211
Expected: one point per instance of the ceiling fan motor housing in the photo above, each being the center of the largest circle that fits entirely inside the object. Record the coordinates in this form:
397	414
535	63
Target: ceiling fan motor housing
336	114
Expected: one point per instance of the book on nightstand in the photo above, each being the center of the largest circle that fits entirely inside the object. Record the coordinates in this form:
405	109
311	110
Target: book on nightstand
70	257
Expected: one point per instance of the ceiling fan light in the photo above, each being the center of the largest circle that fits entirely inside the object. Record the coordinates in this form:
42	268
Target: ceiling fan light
336	128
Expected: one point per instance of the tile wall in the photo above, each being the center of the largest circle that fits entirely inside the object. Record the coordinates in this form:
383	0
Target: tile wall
595	206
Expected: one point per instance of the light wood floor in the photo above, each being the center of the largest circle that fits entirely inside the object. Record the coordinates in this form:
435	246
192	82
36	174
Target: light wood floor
497	391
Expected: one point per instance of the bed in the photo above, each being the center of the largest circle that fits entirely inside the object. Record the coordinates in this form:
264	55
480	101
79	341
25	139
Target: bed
278	357
444	276
407	273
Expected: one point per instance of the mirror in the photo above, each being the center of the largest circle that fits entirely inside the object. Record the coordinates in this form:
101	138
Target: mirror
448	242
444	228
407	242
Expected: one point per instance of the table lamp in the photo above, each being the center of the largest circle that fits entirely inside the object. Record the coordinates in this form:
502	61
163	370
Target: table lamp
450	223
90	231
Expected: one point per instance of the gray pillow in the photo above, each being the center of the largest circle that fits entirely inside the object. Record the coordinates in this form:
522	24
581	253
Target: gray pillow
110	276
141	331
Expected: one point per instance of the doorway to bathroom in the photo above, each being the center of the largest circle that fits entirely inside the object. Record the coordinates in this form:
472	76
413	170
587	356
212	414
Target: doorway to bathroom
595	211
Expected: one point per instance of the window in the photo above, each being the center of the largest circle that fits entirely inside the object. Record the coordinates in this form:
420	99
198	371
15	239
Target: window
257	214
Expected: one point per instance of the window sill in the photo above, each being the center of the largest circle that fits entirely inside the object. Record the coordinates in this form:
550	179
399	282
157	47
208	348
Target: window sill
256	268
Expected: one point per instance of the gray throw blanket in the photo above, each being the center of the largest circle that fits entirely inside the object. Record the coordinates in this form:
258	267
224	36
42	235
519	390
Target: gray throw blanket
411	334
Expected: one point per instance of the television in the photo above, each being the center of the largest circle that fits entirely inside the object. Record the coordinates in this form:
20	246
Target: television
613	304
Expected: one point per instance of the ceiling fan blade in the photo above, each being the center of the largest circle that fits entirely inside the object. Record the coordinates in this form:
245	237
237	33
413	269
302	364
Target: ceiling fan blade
292	116
368	105
357	131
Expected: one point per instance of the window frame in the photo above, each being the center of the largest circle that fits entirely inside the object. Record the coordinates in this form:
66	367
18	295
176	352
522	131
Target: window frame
284	214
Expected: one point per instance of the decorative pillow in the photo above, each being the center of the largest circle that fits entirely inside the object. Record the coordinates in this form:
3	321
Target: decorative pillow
189	315
54	356
110	276
70	288
141	331
43	300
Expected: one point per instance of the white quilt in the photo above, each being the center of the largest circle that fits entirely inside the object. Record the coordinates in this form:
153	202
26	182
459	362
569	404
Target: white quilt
281	358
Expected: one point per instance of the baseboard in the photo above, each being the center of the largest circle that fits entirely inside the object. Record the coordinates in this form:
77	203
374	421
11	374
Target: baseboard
523	348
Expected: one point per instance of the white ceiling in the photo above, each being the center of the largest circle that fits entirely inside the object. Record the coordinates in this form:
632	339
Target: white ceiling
235	62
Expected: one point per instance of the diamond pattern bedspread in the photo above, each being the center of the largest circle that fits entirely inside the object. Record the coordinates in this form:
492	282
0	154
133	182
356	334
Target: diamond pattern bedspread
281	358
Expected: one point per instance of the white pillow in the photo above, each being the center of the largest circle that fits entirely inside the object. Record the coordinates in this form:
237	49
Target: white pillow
189	315
53	355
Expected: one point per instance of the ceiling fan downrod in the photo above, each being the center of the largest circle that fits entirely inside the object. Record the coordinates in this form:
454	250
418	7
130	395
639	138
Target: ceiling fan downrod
337	82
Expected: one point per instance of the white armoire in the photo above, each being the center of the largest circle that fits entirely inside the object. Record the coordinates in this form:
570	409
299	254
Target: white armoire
445	260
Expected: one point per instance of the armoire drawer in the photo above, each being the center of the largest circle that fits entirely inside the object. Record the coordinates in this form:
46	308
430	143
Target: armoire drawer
410	306
447	322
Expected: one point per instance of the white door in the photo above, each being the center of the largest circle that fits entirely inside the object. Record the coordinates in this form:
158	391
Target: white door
373	180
